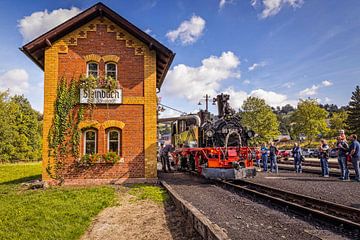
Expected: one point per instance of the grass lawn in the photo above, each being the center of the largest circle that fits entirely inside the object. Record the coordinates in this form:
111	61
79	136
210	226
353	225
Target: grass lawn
55	213
151	192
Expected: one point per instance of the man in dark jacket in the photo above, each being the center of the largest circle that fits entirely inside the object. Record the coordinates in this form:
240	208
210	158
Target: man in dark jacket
273	163
164	154
343	149
355	156
296	152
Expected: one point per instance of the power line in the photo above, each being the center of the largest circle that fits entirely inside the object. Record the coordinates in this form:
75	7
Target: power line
163	105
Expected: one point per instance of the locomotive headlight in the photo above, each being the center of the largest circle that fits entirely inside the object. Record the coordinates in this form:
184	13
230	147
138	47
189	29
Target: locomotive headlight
250	134
209	133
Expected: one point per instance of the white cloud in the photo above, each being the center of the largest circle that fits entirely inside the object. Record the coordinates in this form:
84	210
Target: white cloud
222	3
40	22
16	80
189	31
167	113
327	100
288	84
256	65
253	3
236	97
246	81
272	98
148	30
193	82
313	90
273	7
326	83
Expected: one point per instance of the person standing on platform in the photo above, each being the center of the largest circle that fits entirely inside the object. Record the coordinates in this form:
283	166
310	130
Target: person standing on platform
264	157
258	156
273	163
296	152
324	158
355	156
343	149
164	153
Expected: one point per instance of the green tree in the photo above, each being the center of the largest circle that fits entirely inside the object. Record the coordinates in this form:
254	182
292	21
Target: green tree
309	119
353	120
337	122
285	123
258	116
20	129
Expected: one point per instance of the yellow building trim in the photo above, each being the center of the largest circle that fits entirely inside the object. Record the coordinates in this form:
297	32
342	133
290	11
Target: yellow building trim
81	32
150	116
89	124
50	92
92	58
113	123
134	100
110	58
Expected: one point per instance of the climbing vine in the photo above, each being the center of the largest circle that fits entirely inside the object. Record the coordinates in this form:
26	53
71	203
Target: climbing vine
63	131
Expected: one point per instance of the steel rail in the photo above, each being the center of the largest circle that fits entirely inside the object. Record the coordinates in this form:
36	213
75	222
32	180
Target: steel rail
341	215
309	170
314	164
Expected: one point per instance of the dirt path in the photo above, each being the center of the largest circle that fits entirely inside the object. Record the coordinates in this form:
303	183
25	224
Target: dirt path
139	219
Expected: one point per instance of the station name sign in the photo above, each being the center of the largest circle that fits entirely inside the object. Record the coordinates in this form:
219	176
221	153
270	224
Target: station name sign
101	96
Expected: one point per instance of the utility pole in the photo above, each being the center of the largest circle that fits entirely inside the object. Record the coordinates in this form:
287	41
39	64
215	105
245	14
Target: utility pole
207	102
206	98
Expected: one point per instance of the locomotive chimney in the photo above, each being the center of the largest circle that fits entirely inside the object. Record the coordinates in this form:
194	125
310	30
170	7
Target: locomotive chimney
223	105
220	105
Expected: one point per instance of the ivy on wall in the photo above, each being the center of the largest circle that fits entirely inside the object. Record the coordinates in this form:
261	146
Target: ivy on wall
64	135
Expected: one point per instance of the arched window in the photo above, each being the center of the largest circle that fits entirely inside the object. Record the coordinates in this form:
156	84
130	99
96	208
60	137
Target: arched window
110	70
92	69
90	142
113	143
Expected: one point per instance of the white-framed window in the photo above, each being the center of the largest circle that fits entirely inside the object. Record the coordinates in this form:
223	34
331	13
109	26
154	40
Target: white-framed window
113	141
90	141
111	70
92	68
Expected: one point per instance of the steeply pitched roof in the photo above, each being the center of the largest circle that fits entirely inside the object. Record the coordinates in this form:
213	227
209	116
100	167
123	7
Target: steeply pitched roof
35	49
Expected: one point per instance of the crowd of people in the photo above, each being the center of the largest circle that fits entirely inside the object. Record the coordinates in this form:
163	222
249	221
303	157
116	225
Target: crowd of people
346	153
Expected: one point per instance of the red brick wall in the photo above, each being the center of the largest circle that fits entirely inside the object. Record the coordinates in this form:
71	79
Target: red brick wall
131	78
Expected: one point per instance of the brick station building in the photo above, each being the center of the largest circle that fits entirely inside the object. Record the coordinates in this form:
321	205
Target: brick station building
100	42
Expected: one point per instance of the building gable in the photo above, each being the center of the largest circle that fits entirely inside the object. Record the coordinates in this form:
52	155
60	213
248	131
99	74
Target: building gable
35	49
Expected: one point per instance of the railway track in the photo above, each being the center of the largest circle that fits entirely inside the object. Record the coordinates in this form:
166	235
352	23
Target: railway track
288	167
333	165
341	216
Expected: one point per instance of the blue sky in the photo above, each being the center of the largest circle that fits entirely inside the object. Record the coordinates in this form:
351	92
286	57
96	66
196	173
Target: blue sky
280	50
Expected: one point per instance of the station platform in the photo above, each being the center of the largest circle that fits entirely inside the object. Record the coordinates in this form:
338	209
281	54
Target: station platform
314	185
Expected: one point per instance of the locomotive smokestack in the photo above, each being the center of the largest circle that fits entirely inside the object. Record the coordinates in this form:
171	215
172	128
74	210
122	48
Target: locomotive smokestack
223	105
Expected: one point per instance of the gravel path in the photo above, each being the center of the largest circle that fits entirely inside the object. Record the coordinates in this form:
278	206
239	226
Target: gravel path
240	217
140	220
331	189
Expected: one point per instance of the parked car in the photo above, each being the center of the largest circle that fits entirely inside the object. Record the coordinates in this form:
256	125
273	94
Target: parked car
307	152
316	153
284	154
333	153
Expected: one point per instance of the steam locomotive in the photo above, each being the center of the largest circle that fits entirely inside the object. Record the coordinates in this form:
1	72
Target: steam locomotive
215	147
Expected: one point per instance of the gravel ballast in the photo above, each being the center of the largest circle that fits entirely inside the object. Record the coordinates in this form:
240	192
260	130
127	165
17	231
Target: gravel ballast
240	217
331	189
